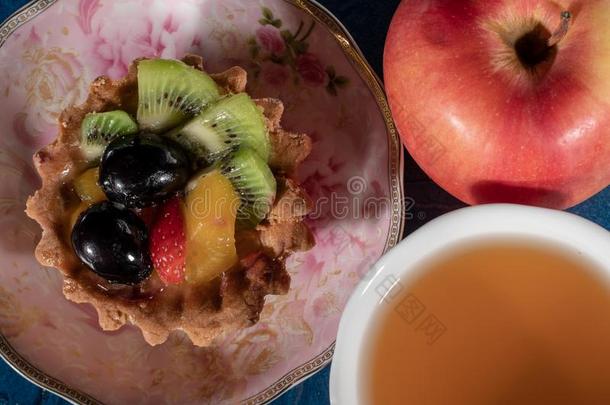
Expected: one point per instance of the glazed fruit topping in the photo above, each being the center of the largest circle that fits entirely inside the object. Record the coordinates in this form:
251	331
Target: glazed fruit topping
98	129
167	242
140	170
113	242
87	186
254	182
169	92
211	210
183	124
231	122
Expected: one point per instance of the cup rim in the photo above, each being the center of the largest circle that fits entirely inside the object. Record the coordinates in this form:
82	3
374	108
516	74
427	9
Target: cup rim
493	220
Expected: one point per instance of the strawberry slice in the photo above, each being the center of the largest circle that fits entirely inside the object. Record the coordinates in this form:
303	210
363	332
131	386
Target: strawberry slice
167	242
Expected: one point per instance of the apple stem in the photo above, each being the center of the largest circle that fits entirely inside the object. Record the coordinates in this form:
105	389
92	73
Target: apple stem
562	30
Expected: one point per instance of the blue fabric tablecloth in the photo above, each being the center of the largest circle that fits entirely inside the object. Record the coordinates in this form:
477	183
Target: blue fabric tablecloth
368	22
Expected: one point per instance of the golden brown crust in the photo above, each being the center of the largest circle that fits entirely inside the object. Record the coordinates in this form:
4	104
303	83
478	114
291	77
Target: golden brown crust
233	301
294	149
282	239
291	204
288	149
284	231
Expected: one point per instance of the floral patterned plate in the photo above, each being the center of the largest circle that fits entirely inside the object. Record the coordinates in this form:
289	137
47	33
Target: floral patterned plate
294	50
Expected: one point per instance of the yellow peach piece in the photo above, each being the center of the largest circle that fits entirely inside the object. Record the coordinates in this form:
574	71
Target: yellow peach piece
210	213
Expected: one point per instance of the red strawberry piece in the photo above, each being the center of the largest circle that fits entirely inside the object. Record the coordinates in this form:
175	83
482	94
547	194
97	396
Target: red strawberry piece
167	242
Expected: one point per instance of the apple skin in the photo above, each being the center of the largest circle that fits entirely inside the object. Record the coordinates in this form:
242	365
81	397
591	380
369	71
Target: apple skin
482	126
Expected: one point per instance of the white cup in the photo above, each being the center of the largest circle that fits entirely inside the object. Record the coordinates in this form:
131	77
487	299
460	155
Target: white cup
402	263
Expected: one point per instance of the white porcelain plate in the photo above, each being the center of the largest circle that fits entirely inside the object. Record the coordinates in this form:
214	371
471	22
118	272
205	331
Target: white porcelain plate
293	49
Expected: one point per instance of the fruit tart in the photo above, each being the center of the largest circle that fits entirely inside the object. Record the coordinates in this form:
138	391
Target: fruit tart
168	200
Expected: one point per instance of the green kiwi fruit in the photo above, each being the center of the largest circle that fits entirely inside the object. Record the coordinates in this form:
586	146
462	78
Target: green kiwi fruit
98	129
231	122
254	183
170	92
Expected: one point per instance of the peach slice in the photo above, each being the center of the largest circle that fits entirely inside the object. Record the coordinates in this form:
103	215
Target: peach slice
87	187
210	213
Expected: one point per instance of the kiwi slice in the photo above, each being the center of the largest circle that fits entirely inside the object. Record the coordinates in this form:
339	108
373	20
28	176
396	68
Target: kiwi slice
254	182
169	92
231	122
98	129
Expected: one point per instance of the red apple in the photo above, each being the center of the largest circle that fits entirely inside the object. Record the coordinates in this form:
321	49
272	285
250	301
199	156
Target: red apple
504	100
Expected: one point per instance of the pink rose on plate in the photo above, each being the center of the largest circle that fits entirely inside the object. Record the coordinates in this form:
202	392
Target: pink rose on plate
275	75
53	79
311	70
163	29
270	39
